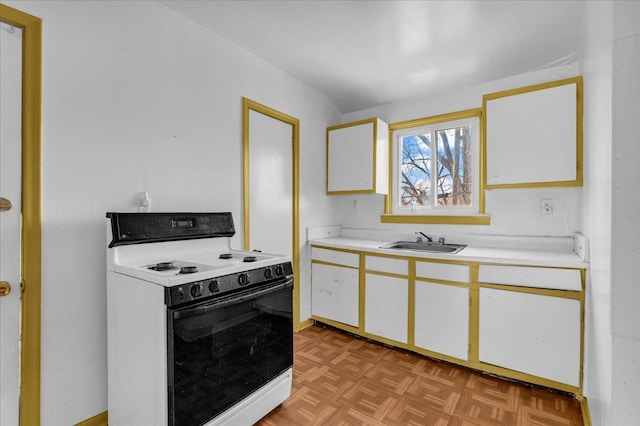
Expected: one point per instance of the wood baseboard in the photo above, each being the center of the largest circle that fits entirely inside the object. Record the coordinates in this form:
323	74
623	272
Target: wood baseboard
101	419
586	414
305	324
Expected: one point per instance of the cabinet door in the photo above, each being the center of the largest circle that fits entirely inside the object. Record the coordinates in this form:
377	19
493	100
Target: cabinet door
534	136
386	306
442	319
334	293
357	157
531	333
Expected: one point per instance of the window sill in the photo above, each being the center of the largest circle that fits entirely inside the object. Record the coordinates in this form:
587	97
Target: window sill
476	219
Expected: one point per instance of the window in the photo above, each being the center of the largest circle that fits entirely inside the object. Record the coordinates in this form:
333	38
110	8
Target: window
436	167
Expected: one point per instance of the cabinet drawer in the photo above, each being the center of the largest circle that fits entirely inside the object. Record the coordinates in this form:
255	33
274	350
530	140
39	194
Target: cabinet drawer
387	264
442	271
523	276
335	256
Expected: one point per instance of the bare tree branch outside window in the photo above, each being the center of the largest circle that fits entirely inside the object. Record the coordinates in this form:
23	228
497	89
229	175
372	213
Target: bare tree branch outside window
453	181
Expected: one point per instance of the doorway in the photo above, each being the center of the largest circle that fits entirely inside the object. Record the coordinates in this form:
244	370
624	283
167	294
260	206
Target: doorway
30	212
270	142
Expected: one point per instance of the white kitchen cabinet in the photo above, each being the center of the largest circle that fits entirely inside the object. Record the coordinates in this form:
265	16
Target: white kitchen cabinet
533	135
336	257
518	321
386	306
387	265
531	276
335	286
534	334
443	271
441	321
357	158
387	297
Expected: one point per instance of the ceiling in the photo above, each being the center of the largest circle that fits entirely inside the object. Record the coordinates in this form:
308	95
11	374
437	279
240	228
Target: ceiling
362	54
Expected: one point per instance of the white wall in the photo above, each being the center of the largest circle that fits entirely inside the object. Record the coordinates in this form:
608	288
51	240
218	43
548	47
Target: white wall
137	98
513	211
596	204
625	242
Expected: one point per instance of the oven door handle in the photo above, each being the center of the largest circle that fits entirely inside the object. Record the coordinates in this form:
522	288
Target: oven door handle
231	300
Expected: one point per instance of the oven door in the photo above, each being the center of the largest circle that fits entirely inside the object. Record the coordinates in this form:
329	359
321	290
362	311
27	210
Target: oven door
221	351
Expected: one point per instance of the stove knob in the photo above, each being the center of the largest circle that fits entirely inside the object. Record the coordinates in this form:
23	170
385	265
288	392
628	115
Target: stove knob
196	290
279	270
213	286
180	292
268	273
243	279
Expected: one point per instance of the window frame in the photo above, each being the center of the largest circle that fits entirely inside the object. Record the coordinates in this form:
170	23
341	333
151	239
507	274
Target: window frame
474	215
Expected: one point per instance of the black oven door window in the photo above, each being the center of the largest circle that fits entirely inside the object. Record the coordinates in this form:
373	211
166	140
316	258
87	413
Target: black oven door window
220	352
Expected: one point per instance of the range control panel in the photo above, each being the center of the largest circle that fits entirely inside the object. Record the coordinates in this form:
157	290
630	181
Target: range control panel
211	288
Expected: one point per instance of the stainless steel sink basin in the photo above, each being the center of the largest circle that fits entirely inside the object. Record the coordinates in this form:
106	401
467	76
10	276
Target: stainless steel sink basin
424	246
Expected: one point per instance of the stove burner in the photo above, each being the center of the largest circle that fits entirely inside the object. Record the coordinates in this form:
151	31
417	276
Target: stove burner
226	256
188	269
250	259
162	266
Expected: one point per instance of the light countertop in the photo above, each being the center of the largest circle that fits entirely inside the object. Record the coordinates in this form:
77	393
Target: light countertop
471	253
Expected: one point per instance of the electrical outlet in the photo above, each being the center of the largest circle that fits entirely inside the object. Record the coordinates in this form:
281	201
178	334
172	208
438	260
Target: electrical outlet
546	206
144	202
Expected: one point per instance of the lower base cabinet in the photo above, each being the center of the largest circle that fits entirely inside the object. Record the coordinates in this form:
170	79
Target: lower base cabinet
523	322
386	307
531	333
442	319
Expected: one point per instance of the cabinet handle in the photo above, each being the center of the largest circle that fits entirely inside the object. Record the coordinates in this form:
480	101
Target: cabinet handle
5	288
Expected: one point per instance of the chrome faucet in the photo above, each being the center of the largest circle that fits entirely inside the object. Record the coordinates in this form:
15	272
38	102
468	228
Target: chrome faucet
420	235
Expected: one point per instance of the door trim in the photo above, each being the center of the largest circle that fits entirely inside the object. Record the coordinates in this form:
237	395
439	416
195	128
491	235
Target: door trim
247	106
30	287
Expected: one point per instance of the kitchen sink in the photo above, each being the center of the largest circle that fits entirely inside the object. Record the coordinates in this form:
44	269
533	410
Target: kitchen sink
422	246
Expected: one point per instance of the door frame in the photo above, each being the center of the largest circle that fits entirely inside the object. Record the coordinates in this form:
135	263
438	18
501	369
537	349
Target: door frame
247	106
31	241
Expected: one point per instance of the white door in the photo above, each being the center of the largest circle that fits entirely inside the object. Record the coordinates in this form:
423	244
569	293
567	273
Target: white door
270	184
10	191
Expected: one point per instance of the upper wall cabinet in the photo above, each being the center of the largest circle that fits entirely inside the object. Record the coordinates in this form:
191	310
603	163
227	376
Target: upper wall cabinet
357	158
533	136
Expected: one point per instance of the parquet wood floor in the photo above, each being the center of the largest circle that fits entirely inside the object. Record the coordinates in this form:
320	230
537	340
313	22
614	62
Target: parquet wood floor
340	379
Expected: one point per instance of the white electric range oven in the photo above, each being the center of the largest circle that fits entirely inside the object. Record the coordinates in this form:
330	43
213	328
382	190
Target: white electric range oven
198	333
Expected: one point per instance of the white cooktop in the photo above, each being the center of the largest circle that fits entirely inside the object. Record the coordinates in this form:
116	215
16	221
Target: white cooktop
208	265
